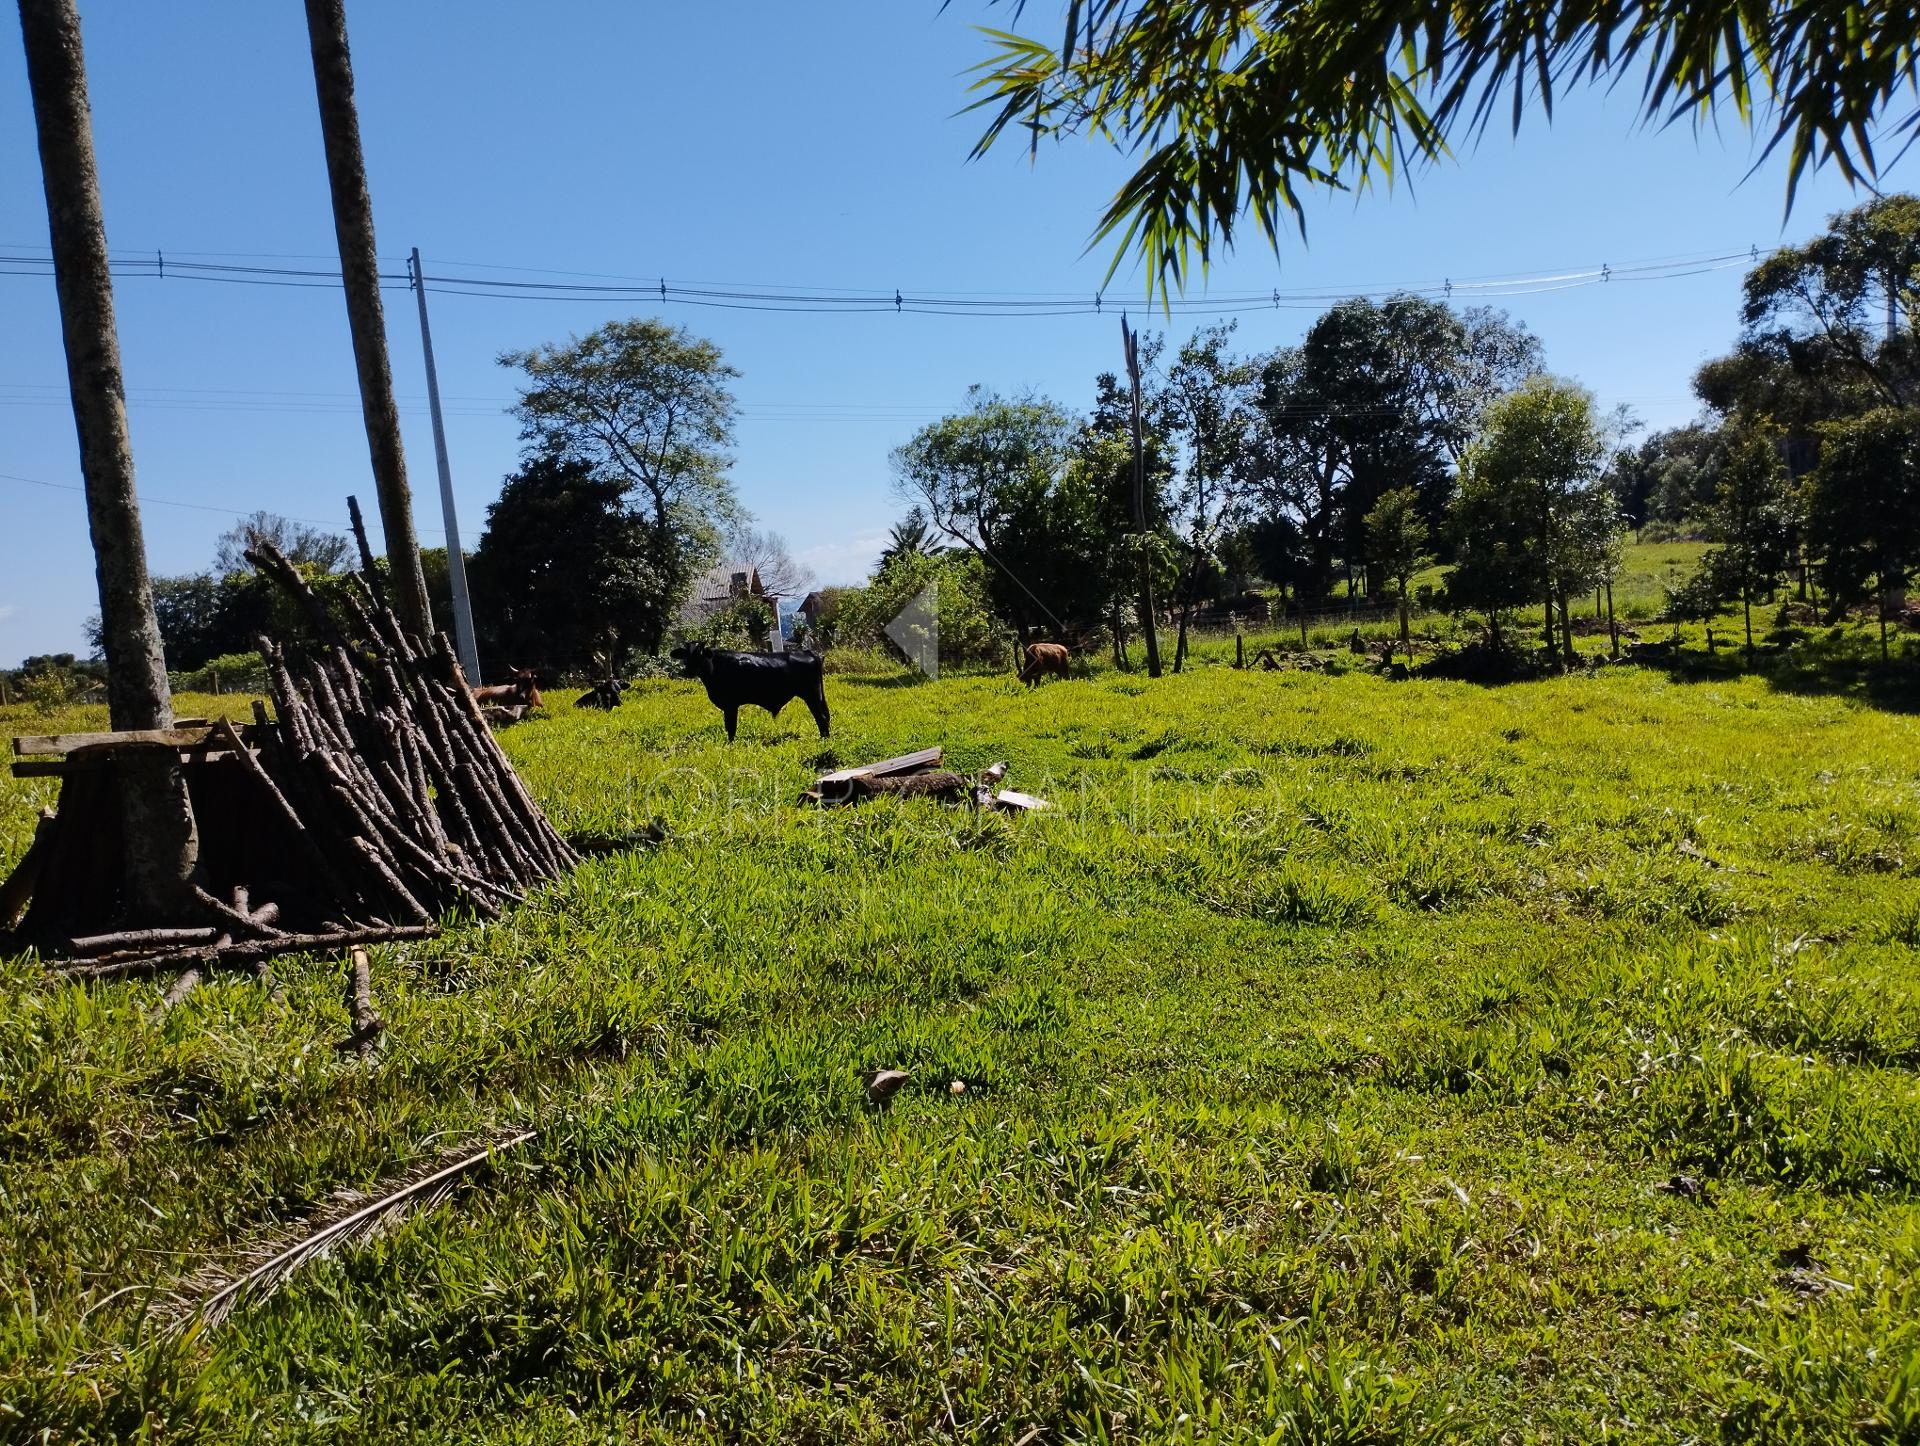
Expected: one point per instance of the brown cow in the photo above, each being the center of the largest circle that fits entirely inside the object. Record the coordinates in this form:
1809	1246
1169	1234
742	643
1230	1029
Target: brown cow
519	691
1044	658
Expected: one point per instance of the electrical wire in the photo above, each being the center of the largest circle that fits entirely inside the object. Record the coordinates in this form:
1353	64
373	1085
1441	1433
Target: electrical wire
776	298
147	498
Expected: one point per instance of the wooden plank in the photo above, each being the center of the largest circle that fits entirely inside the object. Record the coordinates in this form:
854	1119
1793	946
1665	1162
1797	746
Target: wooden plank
886	767
56	743
1008	798
61	767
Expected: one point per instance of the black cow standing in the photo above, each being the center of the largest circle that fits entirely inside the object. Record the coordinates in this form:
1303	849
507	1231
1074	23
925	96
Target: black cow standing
765	680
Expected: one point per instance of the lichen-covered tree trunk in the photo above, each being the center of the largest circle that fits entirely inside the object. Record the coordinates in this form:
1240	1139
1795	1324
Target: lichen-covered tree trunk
366	319
161	844
137	693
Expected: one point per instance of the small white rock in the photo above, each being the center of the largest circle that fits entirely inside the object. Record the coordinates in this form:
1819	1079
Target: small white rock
958	1087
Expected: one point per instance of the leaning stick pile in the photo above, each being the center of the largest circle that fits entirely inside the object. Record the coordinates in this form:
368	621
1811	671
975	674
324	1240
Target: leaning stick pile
380	777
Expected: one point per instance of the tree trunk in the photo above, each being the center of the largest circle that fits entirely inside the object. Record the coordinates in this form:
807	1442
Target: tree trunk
1406	626
366	319
1613	627
137	692
1546	613
161	851
1566	636
1149	626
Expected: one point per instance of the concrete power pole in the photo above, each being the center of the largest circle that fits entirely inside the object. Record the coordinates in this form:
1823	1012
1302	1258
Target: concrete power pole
463	638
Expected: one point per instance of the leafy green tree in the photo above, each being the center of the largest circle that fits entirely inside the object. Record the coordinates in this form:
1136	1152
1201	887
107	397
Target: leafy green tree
1497	569
1843	302
1667	478
568	566
1232	111
964	609
911	536
647	407
1379	395
990	478
1750	516
1397	535
1205	405
1863	509
1533	482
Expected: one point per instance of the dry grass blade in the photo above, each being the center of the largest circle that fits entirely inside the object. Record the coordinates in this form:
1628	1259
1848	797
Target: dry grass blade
353	1218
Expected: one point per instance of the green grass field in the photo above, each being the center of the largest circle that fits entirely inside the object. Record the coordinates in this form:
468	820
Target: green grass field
1345	1061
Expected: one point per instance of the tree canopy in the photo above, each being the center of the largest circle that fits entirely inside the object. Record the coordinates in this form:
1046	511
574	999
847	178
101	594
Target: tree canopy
1233	111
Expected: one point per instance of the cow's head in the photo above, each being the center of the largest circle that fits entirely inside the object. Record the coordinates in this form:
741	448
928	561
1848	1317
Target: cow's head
526	686
696	658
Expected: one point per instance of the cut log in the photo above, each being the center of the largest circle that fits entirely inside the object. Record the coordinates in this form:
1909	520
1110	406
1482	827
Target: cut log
937	784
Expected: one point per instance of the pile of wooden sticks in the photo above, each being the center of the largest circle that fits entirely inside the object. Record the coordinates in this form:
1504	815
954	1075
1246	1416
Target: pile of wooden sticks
372	803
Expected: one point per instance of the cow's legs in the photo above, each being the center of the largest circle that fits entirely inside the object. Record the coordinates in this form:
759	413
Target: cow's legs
818	707
733	721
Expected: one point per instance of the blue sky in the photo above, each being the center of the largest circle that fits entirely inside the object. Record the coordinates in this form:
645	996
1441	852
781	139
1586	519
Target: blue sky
760	143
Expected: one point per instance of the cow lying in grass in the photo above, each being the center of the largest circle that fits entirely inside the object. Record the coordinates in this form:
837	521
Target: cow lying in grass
519	691
1044	658
602	695
764	680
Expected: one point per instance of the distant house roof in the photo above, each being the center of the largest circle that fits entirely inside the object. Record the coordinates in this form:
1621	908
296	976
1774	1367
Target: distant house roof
718	586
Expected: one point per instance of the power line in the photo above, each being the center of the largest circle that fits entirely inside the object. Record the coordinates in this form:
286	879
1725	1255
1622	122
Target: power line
776	298
147	498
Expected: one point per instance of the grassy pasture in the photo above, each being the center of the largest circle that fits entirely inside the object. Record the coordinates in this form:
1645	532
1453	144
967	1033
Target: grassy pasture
1346	1061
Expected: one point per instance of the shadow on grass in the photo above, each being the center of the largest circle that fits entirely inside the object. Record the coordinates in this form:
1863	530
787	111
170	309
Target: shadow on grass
1846	667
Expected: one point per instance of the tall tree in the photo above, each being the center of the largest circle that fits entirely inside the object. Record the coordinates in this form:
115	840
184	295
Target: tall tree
984	478
366	318
1206	406
1230	111
1541	454
1844	301
137	694
1398	547
1863	509
647	406
909	537
1379	395
162	843
571	568
1750	516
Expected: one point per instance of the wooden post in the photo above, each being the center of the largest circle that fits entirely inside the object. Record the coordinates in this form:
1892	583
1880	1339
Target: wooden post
1148	626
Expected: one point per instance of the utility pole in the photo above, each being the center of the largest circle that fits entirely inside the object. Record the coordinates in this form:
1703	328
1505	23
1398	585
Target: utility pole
1131	341
463	639
366	319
